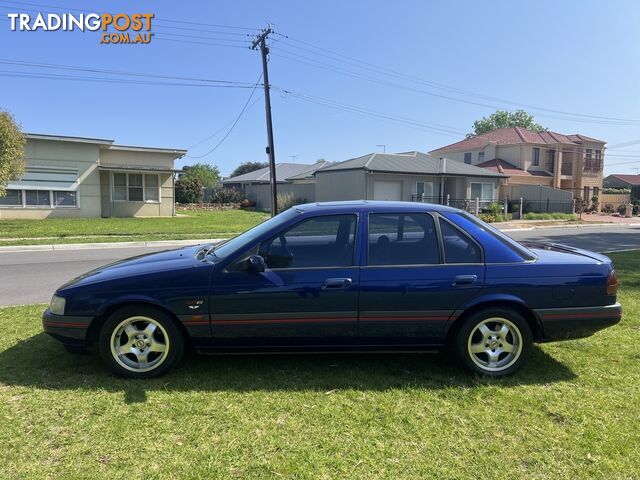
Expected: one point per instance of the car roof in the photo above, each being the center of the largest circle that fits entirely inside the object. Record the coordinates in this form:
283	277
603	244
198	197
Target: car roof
372	205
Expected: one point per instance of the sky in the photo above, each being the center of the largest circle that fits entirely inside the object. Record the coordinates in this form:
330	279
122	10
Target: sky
348	78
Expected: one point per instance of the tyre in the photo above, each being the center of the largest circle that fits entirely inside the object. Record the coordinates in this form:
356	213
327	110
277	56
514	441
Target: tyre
140	342
494	342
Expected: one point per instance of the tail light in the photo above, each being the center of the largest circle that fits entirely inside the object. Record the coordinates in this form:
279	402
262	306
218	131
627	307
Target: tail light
612	283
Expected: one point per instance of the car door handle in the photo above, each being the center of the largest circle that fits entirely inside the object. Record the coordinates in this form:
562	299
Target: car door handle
464	280
335	283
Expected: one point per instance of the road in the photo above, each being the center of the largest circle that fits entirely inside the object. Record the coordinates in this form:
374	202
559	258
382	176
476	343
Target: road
32	277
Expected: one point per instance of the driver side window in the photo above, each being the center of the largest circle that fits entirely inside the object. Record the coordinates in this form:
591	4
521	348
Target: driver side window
325	241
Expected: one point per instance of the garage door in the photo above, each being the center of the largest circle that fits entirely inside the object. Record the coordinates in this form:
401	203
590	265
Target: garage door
387	190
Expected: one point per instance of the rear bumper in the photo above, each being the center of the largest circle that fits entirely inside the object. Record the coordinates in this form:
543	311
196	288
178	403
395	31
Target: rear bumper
566	323
67	329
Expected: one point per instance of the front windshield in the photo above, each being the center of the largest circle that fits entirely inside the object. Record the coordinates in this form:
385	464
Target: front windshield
246	238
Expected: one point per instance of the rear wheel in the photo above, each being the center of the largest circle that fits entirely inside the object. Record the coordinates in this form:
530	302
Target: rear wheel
494	342
140	342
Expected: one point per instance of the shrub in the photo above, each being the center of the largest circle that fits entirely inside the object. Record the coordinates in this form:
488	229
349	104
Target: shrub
616	190
488	217
246	203
608	208
549	216
189	190
227	195
287	200
495	208
622	209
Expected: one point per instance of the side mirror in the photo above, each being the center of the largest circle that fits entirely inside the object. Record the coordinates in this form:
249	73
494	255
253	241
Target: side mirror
256	264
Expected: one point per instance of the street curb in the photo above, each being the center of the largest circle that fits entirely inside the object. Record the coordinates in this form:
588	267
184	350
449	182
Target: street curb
90	246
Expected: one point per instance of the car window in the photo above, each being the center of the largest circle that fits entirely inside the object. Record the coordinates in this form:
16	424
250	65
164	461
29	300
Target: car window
458	247
402	239
324	241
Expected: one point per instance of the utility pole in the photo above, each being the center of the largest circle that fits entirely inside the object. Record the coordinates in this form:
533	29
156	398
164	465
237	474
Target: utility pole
261	40
384	148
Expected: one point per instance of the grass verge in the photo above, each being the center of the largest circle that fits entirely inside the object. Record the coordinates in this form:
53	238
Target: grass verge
571	413
214	224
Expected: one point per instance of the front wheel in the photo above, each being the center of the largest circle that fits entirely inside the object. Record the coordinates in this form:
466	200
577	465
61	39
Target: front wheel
140	342
494	342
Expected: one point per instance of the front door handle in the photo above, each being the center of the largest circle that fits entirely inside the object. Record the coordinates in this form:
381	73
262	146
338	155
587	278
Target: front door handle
464	280
335	283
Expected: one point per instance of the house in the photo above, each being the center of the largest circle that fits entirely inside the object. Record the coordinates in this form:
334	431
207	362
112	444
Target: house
569	162
91	177
406	176
624	181
294	179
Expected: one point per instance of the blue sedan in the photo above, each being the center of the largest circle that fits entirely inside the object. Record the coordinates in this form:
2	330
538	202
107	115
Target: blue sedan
346	276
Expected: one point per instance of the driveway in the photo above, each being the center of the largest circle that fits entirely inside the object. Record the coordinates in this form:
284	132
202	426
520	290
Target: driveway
32	277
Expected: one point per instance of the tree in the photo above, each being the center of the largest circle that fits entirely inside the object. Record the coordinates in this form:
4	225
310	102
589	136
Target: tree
505	119
247	167
207	175
189	190
11	150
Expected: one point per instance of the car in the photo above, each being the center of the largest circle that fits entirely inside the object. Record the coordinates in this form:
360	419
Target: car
365	276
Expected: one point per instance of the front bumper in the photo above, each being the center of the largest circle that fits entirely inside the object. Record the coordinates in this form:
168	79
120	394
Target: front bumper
70	330
579	322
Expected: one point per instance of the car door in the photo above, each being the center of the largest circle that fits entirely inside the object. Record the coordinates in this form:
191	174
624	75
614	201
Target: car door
418	269
307	295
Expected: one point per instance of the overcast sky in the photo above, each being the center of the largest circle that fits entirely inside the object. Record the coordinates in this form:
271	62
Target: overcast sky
410	75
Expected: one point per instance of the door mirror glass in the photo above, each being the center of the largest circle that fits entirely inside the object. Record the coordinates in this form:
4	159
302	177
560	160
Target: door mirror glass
256	264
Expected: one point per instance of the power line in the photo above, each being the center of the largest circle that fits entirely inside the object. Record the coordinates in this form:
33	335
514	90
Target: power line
234	123
214	134
231	27
386	71
59	66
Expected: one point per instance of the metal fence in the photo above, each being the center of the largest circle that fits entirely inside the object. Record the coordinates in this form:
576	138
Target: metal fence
474	206
504	206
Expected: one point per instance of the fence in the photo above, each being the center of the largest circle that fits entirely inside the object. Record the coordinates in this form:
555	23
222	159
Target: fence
612	202
539	199
471	205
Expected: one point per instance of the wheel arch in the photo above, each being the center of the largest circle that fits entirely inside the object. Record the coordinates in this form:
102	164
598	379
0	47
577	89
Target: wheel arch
98	321
513	303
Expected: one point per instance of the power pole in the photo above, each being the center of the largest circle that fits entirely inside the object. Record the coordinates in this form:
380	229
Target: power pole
384	148
261	40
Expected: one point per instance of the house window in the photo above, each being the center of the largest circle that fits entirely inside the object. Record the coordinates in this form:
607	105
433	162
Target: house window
13	198
483	191
37	198
467	158
536	157
596	191
598	163
135	187
551	160
480	157
587	160
43	187
585	194
424	189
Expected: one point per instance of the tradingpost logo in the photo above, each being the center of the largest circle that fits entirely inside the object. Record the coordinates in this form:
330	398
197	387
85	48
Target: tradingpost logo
117	28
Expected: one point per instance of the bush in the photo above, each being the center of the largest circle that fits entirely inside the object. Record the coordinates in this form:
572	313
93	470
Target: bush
608	208
622	210
616	191
495	208
287	200
189	190
488	217
227	195
549	216
246	203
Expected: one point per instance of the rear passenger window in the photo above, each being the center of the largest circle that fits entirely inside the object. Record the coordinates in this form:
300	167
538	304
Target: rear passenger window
402	239
458	247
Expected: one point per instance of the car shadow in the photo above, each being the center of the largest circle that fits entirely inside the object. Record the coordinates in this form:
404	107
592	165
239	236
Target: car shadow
41	362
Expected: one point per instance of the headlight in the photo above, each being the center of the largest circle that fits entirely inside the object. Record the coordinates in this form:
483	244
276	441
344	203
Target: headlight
57	305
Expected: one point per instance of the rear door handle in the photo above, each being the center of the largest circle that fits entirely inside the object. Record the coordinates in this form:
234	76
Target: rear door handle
464	280
335	283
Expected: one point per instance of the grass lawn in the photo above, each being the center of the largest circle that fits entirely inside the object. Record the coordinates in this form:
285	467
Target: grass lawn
214	224
573	412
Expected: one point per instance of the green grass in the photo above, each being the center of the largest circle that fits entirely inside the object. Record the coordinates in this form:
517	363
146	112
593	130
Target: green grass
215	224
549	216
572	413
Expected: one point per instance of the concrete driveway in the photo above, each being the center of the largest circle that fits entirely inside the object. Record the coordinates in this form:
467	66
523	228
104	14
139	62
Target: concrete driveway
33	276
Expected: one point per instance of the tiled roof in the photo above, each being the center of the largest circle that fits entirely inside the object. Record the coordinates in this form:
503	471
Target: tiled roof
502	166
515	136
411	163
630	179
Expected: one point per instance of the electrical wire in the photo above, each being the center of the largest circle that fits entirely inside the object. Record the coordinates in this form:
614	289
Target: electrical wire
244	108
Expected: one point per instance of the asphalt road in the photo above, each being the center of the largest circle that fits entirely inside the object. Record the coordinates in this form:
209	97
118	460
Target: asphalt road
32	277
